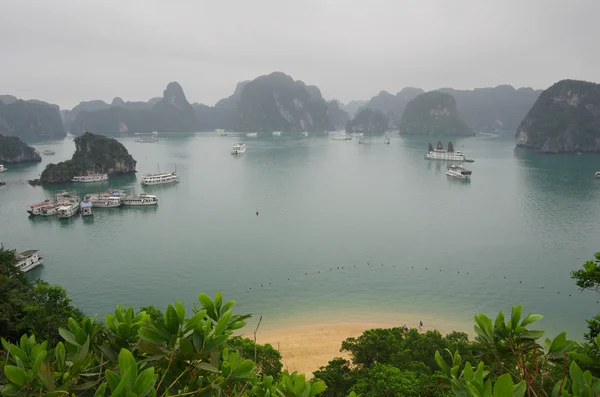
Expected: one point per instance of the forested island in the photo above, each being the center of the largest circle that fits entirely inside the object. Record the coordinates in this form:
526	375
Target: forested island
49	347
13	150
30	120
433	113
565	118
94	154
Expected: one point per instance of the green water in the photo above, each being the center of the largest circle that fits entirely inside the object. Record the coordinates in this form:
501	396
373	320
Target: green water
449	249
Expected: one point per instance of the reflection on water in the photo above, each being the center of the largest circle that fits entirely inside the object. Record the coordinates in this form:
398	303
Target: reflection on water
443	248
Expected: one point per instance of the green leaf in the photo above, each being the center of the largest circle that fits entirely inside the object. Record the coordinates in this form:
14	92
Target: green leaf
503	386
101	390
516	316
222	323
317	387
441	363
171	320
46	376
530	319
126	377
145	382
206	367
112	378
519	389
68	337
124	330
180	311
16	375
208	304
127	364
559	343
533	334
37	362
577	378
484	328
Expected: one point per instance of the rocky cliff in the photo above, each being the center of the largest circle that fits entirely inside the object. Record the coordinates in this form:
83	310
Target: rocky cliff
31	120
172	113
93	154
14	150
433	113
565	118
337	116
493	108
278	103
393	105
369	121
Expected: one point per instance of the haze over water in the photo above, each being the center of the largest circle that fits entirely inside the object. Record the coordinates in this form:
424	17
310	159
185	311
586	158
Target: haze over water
449	249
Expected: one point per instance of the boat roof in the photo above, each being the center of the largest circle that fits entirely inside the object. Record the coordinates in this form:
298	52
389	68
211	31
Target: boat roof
26	253
159	174
85	204
40	203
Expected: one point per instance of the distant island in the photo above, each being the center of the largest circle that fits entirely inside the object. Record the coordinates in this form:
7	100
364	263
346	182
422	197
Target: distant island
30	120
94	154
369	121
433	113
273	102
565	118
13	150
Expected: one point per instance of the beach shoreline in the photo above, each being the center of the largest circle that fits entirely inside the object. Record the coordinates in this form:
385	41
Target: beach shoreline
308	342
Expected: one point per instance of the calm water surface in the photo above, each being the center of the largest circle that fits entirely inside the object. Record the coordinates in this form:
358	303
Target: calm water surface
412	242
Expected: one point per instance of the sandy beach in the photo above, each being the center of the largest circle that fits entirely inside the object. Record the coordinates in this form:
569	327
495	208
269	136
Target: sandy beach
306	347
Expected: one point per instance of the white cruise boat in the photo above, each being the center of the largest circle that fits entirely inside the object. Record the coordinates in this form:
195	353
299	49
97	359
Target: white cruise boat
38	209
252	134
105	200
2	168
85	207
90	178
238	148
277	133
597	174
387	141
160	178
67	210
305	133
140	199
440	154
27	260
344	137
459	172
49	152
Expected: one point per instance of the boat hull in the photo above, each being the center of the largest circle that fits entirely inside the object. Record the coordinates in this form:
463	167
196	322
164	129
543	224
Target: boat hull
106	203
32	265
151	183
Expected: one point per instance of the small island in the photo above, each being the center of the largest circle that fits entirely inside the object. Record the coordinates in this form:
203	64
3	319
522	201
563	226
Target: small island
369	121
94	154
14	150
433	113
565	118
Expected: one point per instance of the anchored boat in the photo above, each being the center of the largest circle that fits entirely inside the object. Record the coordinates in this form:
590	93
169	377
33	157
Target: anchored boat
238	148
27	260
440	154
140	199
90	178
459	172
86	208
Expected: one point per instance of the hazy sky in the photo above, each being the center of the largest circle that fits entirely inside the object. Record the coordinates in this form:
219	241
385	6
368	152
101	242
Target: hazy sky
66	51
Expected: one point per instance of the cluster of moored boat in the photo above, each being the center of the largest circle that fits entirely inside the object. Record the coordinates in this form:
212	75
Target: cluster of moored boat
147	180
67	204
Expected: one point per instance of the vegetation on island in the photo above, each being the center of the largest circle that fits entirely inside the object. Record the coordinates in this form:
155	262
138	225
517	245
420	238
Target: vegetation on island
369	121
565	118
30	120
433	113
94	154
181	353
14	150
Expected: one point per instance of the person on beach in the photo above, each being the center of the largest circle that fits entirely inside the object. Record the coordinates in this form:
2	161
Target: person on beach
420	325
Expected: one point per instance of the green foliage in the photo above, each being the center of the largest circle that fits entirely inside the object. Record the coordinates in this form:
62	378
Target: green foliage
368	120
433	113
93	154
27	307
268	359
387	380
589	276
564	118
12	149
30	120
135	355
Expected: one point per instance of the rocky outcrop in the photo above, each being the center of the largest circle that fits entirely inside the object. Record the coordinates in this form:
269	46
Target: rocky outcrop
278	103
337	117
369	121
433	113
493	108
94	154
565	118
172	113
31	120
353	107
393	105
14	150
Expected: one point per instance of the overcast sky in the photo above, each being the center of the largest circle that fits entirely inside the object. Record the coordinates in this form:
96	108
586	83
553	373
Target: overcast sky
67	51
